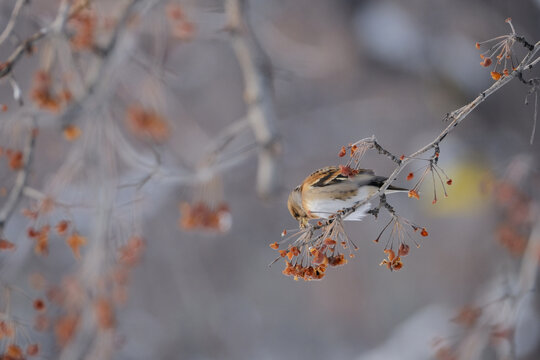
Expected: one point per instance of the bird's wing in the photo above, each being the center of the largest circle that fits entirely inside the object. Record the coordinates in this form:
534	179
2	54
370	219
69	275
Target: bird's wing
326	176
332	175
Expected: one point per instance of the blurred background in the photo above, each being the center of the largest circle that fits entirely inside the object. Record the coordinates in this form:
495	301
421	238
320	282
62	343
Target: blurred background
342	70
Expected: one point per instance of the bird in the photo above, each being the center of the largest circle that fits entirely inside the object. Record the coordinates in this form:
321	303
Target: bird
333	188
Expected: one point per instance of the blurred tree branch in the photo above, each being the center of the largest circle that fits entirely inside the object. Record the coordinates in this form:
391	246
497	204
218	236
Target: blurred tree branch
258	95
12	20
26	46
104	55
21	178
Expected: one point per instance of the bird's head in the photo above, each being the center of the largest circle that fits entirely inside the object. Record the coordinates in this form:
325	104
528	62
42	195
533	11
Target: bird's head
294	203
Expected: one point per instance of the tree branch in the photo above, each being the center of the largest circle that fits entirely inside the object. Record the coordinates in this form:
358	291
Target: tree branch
105	54
26	46
456	117
12	19
21	178
258	95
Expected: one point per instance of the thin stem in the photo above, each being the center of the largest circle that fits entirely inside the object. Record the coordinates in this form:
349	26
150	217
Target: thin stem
21	178
12	20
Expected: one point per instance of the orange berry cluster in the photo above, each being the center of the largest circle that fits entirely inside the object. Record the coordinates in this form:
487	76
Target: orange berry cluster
393	262
318	259
83	25
44	96
305	273
146	124
202	216
501	49
181	27
14	158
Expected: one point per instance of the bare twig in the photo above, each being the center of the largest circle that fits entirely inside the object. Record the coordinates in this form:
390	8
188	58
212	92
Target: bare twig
258	94
26	46
535	117
532	64
12	20
534	83
34	194
21	178
227	135
61	17
17	93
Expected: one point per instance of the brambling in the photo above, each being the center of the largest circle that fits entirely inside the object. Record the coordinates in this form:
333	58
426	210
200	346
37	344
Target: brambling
334	188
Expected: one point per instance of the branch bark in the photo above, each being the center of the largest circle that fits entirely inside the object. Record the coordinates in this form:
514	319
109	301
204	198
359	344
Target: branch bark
20	180
258	95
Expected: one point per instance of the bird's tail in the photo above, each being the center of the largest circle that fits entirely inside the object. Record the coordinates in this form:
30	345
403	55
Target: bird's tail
394	189
379	181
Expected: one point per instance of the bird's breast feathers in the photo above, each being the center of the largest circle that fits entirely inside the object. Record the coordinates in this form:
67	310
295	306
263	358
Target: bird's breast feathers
322	204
